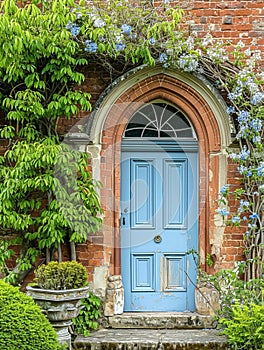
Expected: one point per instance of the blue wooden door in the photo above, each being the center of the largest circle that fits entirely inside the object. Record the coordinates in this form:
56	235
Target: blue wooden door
158	227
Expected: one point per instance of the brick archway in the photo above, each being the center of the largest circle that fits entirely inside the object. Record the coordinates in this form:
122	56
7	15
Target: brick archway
205	121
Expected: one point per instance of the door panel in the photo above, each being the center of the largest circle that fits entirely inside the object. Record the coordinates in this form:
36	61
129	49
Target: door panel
158	227
174	195
143	272
142	189
173	272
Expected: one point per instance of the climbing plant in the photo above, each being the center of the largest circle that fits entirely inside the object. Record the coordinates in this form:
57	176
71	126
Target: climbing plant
47	195
45	45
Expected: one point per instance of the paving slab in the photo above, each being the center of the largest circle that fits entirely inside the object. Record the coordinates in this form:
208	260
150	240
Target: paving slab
143	339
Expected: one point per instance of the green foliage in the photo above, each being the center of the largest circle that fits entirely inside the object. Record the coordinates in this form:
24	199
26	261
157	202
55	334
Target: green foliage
241	314
63	275
232	289
209	261
47	197
5	254
89	314
102	24
22	323
39	68
245	330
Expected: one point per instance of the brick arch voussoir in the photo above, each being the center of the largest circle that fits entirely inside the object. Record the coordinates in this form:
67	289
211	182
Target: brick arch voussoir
175	92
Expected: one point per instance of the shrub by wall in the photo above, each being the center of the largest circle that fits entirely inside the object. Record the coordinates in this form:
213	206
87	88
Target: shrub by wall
245	330
23	326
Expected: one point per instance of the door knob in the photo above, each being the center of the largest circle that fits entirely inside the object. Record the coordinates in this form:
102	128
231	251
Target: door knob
157	239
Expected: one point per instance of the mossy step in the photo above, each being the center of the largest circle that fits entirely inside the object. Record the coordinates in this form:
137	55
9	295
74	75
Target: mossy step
162	320
151	339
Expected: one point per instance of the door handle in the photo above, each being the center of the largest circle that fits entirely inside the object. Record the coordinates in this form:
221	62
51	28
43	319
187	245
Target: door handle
157	239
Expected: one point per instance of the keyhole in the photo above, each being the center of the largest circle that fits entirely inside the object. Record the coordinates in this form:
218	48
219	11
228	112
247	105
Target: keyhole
123	221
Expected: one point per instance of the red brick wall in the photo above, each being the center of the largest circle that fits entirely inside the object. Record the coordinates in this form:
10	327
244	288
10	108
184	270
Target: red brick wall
232	247
228	20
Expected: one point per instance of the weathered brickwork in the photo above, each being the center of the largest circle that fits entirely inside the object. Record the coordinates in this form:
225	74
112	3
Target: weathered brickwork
227	20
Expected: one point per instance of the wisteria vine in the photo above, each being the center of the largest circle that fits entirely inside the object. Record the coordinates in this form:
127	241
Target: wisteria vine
155	37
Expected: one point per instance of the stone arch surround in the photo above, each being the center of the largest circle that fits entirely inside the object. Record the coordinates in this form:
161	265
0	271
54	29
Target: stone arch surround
206	112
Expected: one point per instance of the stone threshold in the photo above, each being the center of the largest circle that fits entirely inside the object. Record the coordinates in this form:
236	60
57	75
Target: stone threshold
162	320
151	339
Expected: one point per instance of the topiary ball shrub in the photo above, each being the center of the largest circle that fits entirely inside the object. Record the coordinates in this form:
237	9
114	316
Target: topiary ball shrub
61	275
23	326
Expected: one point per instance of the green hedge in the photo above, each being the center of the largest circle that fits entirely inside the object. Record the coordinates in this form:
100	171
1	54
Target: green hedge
22	324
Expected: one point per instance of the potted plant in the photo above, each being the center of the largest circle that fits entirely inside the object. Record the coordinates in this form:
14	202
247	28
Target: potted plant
58	289
207	297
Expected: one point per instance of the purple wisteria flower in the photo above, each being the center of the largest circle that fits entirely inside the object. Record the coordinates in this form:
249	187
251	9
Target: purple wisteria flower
235	94
257	98
254	216
261	188
163	58
188	63
256	139
243	116
120	47
99	23
90	46
224	189
236	219
230	109
260	169
244	203
126	29
256	124
223	211
242	169
244	154
133	36
152	41
73	28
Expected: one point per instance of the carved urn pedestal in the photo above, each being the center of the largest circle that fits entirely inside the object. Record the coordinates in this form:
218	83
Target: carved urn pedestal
60	306
114	299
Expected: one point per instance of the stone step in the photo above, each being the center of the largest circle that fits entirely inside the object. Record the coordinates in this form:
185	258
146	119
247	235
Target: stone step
162	320
151	339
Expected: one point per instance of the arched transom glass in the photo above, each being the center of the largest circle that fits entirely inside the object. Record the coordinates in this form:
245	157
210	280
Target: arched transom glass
159	120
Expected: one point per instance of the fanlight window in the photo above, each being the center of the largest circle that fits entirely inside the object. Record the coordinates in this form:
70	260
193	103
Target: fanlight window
159	120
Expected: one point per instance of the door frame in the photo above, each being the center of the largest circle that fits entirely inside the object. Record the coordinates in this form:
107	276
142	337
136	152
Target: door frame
167	145
206	111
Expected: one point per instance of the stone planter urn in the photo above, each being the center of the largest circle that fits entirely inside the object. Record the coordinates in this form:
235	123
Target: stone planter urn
207	299
60	306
